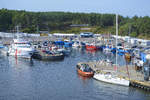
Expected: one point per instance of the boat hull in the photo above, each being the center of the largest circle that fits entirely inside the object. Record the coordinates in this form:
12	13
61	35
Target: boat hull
21	53
85	74
21	48
4	51
112	80
53	57
48	57
91	47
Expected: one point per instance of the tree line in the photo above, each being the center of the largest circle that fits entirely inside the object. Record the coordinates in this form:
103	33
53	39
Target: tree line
30	22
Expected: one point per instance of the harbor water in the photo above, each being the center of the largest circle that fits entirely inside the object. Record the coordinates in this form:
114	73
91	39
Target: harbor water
23	79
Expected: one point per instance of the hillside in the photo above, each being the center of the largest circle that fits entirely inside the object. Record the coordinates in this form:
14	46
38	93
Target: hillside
68	22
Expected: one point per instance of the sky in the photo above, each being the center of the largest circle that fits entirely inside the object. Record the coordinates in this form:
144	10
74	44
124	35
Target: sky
125	8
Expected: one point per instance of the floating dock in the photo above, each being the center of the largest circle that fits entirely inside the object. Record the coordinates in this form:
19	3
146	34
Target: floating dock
128	72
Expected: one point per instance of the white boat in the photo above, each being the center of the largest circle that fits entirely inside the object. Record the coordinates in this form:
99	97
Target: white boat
107	50
1	45
4	50
21	48
66	52
78	44
109	76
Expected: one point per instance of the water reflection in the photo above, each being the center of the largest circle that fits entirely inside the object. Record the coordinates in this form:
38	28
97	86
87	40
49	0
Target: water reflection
91	51
83	78
124	92
110	89
22	79
19	62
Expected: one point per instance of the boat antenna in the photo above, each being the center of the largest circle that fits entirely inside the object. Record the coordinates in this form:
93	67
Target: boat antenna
116	39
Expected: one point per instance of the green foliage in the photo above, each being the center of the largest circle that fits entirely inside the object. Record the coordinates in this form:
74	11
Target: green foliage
61	21
133	34
51	20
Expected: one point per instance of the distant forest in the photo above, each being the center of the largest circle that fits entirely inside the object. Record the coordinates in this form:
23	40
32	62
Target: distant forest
31	22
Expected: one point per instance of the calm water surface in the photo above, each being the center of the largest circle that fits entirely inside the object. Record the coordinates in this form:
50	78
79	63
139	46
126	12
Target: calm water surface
42	80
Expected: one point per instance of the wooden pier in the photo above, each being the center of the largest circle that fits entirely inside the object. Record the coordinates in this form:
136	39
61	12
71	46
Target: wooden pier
129	72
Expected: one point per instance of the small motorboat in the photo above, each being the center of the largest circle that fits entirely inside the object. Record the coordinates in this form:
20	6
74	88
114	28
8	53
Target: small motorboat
91	47
78	44
84	70
65	51
107	50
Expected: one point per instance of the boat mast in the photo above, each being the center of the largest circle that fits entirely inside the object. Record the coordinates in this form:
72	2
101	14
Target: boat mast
17	31
116	38
37	29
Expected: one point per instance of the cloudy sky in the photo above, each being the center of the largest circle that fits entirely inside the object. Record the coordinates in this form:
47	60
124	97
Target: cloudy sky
123	7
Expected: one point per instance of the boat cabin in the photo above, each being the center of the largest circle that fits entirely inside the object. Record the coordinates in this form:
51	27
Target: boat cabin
86	34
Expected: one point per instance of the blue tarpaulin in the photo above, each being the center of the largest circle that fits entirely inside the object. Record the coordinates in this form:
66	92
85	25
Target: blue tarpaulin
62	43
143	57
67	44
59	42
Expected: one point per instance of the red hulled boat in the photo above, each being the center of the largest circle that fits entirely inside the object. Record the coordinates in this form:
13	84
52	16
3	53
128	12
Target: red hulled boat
91	47
85	70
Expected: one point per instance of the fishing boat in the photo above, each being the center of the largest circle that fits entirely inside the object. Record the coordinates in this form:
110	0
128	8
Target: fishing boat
84	70
102	47
21	48
78	44
91	47
48	55
65	51
112	76
107	50
68	43
120	50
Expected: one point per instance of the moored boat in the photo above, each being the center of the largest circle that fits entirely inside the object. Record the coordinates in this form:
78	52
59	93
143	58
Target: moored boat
65	51
91	47
4	51
1	45
84	70
21	48
78	44
120	50
48	55
107	50
112	78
